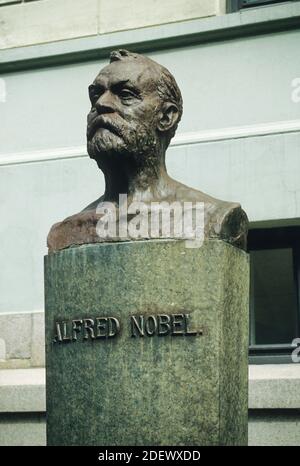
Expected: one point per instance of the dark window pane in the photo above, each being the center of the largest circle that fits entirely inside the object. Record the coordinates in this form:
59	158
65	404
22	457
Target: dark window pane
235	5
273	297
249	3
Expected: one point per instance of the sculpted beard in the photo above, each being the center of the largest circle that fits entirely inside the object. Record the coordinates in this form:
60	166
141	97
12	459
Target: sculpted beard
122	139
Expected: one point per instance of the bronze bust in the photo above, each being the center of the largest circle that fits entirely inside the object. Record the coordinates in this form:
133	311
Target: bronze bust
136	106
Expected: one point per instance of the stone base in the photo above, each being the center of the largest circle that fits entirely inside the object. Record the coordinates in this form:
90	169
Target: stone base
147	344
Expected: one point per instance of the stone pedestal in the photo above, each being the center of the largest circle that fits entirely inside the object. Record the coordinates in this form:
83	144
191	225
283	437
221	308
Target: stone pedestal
147	344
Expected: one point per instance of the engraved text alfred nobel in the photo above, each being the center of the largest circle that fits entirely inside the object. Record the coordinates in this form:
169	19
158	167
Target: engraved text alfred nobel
103	328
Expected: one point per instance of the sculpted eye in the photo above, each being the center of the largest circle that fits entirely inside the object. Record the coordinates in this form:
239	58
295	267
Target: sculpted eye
94	93
94	98
126	94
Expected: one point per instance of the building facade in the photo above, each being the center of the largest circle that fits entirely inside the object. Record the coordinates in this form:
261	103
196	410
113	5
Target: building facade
237	64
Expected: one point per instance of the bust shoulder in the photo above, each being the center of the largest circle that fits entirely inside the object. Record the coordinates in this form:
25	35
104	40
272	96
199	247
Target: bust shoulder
230	224
222	220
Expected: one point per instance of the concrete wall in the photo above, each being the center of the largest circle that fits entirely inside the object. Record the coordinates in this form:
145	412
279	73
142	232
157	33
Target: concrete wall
22	342
28	23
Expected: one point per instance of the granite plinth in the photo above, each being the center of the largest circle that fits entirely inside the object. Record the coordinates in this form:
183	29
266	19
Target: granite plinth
163	388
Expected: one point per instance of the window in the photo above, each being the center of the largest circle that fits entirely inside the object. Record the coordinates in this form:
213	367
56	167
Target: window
235	5
13	2
274	292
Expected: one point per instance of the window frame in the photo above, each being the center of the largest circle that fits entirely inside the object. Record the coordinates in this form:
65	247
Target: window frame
276	238
237	5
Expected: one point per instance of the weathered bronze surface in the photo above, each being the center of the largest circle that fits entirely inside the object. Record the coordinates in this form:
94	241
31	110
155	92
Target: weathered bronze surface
136	108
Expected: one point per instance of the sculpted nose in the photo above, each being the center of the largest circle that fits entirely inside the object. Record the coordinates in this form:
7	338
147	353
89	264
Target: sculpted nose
105	103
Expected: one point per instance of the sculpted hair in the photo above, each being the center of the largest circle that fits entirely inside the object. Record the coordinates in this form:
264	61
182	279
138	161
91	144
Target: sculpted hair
167	87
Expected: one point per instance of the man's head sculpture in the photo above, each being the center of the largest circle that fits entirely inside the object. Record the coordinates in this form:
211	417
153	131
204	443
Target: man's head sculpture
136	106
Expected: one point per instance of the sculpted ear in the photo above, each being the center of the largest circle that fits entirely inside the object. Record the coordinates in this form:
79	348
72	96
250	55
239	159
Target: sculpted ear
168	117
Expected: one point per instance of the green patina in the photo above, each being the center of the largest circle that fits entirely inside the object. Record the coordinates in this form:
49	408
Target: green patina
170	390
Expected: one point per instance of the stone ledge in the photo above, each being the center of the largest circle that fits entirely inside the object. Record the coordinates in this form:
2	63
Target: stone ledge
22	390
274	386
271	427
270	387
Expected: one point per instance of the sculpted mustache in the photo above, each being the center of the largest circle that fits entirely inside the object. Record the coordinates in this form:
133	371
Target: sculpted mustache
100	122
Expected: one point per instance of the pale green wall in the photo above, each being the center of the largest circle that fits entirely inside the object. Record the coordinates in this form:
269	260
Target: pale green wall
224	84
231	83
